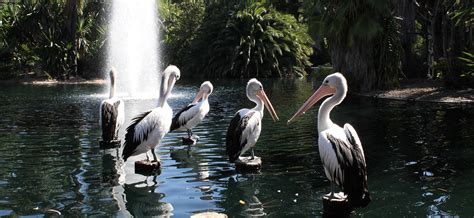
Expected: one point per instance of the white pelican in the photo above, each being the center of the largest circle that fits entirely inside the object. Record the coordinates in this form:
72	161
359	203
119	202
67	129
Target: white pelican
194	113
340	148
111	112
246	125
147	129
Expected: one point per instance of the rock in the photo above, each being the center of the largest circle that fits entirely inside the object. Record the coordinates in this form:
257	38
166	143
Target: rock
146	167
248	164
336	207
190	141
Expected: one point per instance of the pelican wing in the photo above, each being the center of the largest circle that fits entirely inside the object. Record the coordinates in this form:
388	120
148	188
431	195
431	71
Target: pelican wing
136	133
352	175
108	119
238	132
120	114
183	116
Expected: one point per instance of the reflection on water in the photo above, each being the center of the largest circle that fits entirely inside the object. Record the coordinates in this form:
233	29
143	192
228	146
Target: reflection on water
143	199
420	156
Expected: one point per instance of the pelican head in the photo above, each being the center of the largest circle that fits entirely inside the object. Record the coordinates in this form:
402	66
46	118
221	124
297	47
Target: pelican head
204	91
170	75
256	93
113	76
334	84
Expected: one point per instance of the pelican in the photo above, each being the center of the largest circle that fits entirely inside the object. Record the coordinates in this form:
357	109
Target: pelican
340	148
192	115
111	112
246	125
147	129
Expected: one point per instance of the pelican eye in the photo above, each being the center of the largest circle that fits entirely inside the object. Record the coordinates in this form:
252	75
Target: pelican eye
326	82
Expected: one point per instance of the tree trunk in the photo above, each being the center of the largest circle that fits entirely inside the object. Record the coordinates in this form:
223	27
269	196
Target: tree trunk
70	11
356	63
431	40
430	56
406	10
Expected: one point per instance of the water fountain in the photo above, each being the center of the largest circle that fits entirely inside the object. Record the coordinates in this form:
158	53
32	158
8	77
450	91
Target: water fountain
133	47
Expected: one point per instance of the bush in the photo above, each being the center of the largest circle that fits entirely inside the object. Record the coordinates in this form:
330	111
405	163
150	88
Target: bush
250	41
181	22
34	37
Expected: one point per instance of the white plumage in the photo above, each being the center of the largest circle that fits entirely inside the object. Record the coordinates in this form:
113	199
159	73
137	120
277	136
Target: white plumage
252	130
147	129
111	114
340	149
193	114
244	129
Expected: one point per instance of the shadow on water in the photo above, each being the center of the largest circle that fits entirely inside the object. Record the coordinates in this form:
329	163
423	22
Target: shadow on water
420	156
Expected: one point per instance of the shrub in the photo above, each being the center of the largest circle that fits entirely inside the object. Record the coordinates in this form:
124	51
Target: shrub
250	41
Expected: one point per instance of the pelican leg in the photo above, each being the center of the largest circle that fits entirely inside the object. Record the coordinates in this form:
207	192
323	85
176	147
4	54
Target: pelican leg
190	133
147	158
333	189
154	155
253	155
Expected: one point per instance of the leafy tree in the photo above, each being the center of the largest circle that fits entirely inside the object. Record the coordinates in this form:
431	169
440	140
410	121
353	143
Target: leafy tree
361	36
250	40
37	36
181	22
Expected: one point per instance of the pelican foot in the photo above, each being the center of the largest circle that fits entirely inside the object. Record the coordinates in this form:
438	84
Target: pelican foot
335	196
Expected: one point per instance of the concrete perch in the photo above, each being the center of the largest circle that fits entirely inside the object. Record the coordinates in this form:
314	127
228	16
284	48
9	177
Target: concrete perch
147	167
190	141
248	164
336	207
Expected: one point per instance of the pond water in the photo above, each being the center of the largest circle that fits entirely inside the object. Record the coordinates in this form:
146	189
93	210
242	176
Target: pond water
420	156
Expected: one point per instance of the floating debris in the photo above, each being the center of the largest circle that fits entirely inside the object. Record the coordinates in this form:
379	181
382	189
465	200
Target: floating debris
441	199
242	202
442	189
410	163
427	194
419	203
54	211
428	173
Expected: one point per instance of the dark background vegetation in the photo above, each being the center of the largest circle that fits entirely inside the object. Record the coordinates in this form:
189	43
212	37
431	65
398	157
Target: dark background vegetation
375	43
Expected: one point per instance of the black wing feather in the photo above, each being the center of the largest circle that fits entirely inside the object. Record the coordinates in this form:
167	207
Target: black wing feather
354	171
130	143
234	133
109	121
175	124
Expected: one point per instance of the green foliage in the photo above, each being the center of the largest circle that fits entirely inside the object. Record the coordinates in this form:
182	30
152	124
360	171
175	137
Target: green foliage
463	12
349	20
363	37
468	60
181	22
34	38
388	54
250	40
